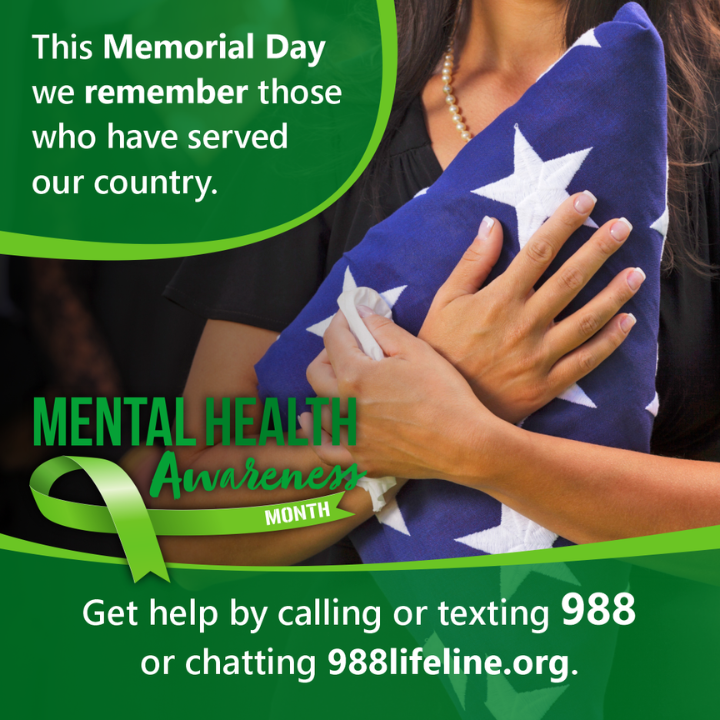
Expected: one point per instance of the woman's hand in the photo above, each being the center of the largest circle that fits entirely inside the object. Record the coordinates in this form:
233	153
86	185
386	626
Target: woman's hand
416	415
504	338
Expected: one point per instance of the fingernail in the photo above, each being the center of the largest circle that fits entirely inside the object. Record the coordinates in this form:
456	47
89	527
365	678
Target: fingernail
364	311
620	229
627	322
584	202
636	278
485	227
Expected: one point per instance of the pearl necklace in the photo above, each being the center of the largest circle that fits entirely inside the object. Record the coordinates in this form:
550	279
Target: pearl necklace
450	99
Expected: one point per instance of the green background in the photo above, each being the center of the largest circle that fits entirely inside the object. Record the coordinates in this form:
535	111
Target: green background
259	192
664	665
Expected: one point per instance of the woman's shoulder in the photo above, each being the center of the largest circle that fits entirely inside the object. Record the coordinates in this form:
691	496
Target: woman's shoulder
412	134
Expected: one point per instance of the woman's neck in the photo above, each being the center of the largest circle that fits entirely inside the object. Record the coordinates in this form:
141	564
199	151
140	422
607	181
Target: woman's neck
512	37
504	47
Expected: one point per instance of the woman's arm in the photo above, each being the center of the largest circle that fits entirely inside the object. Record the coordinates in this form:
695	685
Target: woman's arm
440	429
224	367
590	493
282	547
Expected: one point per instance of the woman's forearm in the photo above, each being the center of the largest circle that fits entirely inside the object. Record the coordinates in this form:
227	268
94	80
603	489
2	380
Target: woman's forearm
590	493
417	417
223	368
282	547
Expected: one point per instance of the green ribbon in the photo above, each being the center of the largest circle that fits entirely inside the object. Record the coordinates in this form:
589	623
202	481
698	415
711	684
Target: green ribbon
137	527
125	513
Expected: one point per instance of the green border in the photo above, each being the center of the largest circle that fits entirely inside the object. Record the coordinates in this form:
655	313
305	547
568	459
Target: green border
35	246
684	541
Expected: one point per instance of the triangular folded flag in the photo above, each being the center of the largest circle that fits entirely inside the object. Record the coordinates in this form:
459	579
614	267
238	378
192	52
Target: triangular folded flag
595	120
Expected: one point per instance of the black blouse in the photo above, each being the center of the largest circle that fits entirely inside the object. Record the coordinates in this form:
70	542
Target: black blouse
267	284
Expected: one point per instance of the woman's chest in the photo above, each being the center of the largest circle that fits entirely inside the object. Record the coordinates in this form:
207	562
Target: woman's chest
688	380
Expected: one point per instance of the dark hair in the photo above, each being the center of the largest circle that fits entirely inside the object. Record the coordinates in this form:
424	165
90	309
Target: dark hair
690	30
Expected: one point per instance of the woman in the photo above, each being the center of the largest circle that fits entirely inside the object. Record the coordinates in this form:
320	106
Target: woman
502	47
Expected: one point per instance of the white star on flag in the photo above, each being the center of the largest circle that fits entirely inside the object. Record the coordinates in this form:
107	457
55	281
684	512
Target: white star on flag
654	405
587	39
536	189
392	516
663	222
389	296
514	534
575	394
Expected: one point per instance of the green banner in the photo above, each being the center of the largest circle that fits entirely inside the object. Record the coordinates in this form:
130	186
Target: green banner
179	131
593	639
137	527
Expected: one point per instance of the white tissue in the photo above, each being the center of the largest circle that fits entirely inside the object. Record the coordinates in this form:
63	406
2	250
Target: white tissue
348	302
376	487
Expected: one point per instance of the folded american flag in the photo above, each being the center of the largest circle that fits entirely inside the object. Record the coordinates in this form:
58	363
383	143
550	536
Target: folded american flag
595	120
